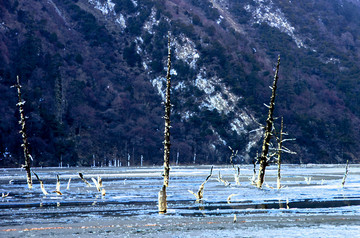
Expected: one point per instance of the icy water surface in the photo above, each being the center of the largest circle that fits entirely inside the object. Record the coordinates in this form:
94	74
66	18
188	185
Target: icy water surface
312	203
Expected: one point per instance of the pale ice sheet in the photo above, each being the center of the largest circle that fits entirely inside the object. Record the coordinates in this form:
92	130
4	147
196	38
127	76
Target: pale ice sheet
132	192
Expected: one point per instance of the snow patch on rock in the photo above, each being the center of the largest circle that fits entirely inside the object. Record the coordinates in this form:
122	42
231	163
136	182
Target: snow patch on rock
107	8
331	60
243	120
266	11
237	126
186	51
254	137
216	102
138	41
121	21
221	140
220	20
151	22
158	83
173	72
204	84
181	85
223	102
135	3
187	115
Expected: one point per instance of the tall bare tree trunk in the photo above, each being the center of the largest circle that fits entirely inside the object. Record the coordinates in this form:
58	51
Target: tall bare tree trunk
268	128
279	155
25	144
162	194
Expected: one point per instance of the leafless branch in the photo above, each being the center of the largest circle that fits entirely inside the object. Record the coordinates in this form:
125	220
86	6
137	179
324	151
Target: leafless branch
84	180
41	184
200	194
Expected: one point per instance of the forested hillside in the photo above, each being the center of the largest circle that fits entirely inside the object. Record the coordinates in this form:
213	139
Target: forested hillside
93	77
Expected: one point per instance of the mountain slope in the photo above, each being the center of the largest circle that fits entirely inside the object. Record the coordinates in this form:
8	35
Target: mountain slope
93	78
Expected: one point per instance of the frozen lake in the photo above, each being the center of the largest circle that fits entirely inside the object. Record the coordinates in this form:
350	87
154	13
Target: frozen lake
312	203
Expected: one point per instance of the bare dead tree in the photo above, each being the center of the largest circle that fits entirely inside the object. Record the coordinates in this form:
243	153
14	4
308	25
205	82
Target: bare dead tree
200	194
346	174
280	149
84	180
25	143
279	155
99	185
4	195
221	180
68	184
263	161
256	160
57	189
57	183
230	196
162	194
41	184
237	168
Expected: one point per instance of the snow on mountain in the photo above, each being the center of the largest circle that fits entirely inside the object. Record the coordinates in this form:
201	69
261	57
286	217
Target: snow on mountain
265	11
107	8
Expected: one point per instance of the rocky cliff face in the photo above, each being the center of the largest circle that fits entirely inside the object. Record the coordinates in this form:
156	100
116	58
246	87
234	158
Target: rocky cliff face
94	78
